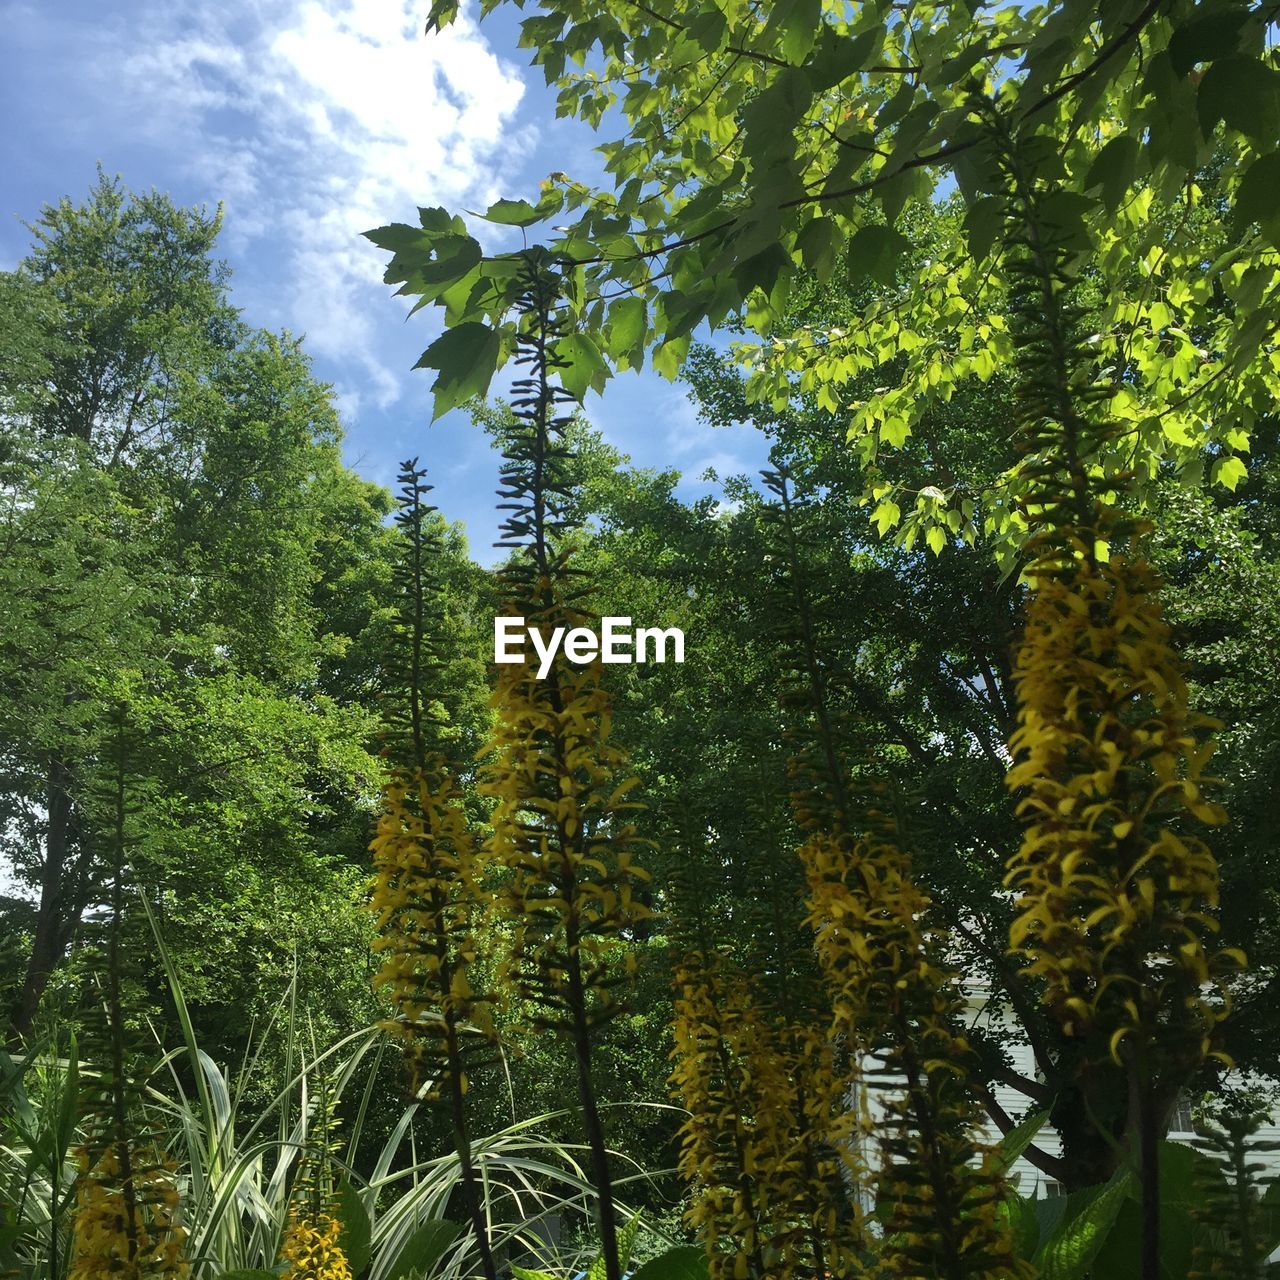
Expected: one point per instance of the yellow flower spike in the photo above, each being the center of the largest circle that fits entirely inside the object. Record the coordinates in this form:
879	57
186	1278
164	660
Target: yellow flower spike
312	1250
894	1000
1120	889
557	829
126	1229
425	896
769	1130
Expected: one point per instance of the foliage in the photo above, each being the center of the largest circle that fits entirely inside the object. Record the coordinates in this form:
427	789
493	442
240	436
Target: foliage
561	839
174	490
753	153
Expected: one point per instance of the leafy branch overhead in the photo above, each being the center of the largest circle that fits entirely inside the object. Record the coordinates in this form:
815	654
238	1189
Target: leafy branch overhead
755	152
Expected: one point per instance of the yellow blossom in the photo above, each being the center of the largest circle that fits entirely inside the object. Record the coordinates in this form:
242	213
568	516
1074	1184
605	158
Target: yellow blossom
126	1220
312	1249
1117	892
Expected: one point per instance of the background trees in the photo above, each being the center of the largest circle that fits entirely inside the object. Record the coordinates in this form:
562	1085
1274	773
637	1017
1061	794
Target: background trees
177	519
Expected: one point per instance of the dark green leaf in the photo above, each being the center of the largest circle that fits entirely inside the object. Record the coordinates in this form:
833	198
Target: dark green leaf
424	1249
466	357
817	245
795	25
687	1262
1258	198
1244	93
399	236
708	29
1206	39
1018	1139
435	218
357	1230
441	14
1024	1228
984	222
875	253
837	57
455	256
1112	169
1062	214
1120	1257
896	107
1068	1253
1269	1219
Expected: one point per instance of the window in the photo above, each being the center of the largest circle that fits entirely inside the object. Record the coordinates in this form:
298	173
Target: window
1180	1121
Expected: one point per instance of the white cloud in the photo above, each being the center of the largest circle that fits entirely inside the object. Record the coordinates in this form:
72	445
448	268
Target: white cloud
316	121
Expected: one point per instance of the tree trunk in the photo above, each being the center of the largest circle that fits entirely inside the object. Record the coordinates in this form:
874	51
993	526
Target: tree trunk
52	922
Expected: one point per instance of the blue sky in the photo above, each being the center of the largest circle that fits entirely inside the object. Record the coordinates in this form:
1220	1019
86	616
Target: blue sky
313	120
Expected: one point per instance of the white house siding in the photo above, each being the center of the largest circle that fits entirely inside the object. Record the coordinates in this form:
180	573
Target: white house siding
1030	1180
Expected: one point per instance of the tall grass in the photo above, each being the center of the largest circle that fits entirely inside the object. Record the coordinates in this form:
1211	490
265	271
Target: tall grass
236	1162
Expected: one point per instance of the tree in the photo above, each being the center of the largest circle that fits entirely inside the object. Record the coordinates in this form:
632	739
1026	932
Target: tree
756	150
175	507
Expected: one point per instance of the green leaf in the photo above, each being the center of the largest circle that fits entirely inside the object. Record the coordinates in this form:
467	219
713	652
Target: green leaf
424	1249
708	29
1018	1139
837	57
586	369
795	25
455	257
1062	212
626	1242
1269	1219
935	539
817	246
668	356
523	1273
357	1230
1068	1253
438	219
1258	197
626	330
1112	169
1228	472
875	253
885	516
441	14
686	1262
1206	39
1120	1257
399	237
1024	1227
984	221
466	357
247	1275
1244	93
513	213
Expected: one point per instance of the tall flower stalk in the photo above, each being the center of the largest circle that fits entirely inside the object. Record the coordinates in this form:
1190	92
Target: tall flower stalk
426	891
312	1248
561	832
895	1001
127	1221
1117	891
769	1149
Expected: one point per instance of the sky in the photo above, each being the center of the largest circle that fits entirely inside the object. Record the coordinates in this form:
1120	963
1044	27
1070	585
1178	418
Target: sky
312	121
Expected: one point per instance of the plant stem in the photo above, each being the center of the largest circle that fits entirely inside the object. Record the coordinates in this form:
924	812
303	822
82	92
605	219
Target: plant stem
591	1117
1149	1166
